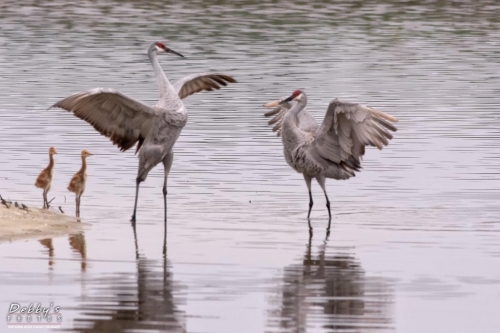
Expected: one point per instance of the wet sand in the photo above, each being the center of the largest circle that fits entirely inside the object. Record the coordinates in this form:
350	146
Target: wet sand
18	224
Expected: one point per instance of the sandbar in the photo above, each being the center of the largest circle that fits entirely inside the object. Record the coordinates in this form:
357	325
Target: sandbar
18	224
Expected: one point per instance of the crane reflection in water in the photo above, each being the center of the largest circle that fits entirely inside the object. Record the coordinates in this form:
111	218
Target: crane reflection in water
332	292
144	301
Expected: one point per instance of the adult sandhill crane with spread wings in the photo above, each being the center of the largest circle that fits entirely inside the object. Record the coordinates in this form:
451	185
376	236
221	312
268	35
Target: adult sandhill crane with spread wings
333	149
127	121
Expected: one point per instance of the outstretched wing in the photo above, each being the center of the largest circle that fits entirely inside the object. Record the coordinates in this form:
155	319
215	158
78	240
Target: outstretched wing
305	121
194	83
348	128
122	119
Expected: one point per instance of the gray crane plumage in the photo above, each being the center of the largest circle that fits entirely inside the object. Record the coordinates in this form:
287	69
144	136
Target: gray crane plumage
333	149
155	129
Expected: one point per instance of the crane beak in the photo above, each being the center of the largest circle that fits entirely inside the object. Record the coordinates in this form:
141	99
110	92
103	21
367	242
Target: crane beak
173	52
272	104
286	100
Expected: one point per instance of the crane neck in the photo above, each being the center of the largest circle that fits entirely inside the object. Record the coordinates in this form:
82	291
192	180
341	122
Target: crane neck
295	110
51	162
84	165
290	122
164	86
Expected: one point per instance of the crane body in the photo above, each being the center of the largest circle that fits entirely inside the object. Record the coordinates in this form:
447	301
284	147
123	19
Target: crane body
333	149
155	129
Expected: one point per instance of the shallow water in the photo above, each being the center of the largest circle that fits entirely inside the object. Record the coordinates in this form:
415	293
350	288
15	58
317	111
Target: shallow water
413	245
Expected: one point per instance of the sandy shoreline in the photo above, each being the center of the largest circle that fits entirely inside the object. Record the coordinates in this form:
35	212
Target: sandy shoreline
17	224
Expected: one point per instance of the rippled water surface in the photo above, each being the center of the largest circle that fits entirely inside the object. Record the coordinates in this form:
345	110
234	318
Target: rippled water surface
413	244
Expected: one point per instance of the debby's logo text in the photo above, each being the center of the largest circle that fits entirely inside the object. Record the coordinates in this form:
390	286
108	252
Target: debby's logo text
33	314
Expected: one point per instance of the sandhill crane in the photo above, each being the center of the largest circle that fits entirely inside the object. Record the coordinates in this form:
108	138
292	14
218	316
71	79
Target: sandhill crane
77	182
333	149
44	179
156	128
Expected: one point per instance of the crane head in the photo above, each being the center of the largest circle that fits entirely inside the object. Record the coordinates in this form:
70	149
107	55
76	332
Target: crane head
161	48
52	151
297	95
86	153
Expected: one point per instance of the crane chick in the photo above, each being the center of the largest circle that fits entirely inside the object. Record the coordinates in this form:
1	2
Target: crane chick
77	183
44	179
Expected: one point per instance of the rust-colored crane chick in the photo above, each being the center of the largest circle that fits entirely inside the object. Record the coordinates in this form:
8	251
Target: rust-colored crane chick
45	177
77	183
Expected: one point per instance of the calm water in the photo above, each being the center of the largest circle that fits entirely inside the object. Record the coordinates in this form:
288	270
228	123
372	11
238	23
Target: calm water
413	245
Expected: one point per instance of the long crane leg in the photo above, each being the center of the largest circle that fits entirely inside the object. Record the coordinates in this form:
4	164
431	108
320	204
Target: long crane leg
137	183
321	181
167	163
311	203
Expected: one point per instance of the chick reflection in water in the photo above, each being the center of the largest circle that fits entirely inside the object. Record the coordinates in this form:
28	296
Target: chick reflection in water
332	291
49	246
77	244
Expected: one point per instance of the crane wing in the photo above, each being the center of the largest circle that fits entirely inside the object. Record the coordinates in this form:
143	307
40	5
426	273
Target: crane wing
348	128
305	121
194	83
122	119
